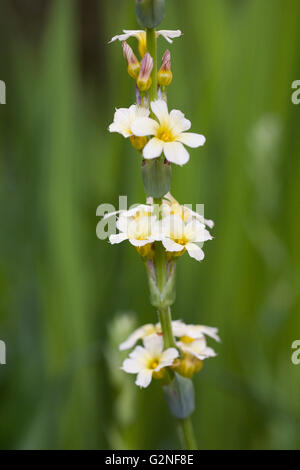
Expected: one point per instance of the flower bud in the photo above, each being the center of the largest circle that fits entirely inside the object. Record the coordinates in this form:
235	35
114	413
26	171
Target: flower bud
147	251
150	13
187	365
160	374
138	142
144	80
165	75
134	65
156	177
171	255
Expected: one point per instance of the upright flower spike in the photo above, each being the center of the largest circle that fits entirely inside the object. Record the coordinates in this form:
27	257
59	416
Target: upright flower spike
144	80
161	235
165	75
134	65
169	134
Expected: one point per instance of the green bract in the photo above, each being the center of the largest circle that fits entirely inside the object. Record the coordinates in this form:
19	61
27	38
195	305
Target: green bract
180	397
150	13
157	177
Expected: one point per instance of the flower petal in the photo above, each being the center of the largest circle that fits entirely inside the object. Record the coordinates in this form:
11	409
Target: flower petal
122	122
197	331
211	332
170	245
137	243
119	238
209	352
179	328
191	140
139	354
195	251
142	127
173	227
160	109
131	366
119	37
154	344
140	111
133	32
135	337
169	34
144	378
176	153
153	149
123	223
195	231
168	357
128	34
178	122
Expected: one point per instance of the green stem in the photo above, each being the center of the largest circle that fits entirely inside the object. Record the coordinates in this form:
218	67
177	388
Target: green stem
188	434
166	325
160	266
161	279
152	49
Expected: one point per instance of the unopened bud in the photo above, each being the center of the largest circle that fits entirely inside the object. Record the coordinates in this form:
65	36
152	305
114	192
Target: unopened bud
175	254
156	177
150	13
134	65
138	142
165	75
147	251
187	365
159	375
144	80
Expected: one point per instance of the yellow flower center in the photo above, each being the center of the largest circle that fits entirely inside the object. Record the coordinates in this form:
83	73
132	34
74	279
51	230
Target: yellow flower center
165	134
153	364
187	339
181	241
140	214
177	209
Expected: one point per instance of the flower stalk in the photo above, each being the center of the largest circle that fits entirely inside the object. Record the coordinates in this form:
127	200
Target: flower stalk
161	230
164	311
188	434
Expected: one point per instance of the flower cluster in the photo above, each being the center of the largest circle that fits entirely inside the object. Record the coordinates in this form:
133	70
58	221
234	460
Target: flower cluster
167	135
152	129
178	228
150	360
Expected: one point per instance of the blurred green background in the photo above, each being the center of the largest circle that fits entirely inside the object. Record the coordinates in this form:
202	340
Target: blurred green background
66	297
